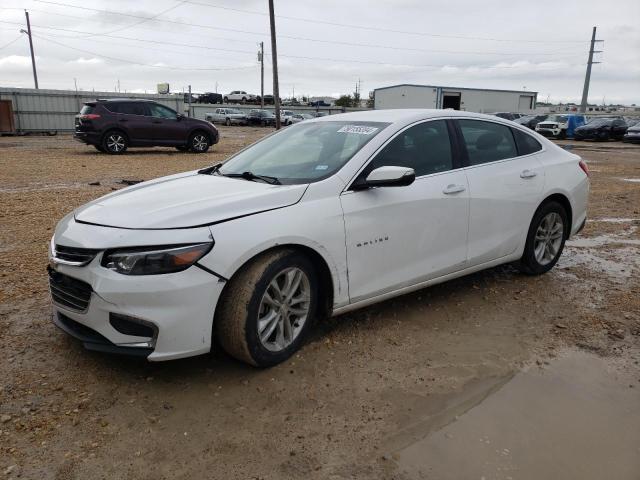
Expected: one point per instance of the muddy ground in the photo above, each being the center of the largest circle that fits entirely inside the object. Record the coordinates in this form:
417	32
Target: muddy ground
374	394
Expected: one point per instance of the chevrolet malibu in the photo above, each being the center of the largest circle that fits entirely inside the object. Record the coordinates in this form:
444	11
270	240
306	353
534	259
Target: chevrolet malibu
324	217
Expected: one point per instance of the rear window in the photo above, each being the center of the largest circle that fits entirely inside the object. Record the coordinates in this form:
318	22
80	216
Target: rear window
487	141
526	143
128	108
86	109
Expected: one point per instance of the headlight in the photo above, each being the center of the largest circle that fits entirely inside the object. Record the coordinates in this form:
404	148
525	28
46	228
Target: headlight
154	260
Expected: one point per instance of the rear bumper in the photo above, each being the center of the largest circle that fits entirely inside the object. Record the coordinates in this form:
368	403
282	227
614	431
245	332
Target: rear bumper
90	138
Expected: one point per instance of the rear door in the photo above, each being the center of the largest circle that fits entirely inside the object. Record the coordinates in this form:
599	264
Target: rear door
168	128
400	236
133	119
506	179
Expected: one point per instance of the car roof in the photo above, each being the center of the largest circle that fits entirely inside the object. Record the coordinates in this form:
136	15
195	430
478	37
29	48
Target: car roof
402	115
107	100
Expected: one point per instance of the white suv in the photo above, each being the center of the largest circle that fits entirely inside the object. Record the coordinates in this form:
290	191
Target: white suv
323	217
240	96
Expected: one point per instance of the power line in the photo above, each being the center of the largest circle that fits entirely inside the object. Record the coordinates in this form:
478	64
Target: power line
299	57
379	29
11	42
169	67
308	39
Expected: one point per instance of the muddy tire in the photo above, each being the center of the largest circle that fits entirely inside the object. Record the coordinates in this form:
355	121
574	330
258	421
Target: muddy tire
268	308
545	240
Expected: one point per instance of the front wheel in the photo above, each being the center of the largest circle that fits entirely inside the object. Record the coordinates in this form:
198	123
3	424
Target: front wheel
228	122
268	308
545	240
199	142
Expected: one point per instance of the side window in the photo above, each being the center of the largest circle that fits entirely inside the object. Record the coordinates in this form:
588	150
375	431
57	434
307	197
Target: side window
424	147
114	107
161	111
132	108
525	142
487	141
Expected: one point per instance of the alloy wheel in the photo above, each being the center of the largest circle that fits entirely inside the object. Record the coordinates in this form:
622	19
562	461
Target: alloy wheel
548	238
115	142
284	309
200	143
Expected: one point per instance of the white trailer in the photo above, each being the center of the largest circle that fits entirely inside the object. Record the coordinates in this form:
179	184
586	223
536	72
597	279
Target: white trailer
468	99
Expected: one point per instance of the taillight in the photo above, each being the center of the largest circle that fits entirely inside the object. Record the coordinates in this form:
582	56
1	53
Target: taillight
584	167
90	116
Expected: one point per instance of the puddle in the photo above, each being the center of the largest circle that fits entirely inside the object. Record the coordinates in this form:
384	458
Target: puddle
634	180
619	268
601	240
615	220
38	187
576	418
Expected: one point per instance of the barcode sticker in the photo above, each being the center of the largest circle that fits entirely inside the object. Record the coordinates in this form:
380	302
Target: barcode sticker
359	129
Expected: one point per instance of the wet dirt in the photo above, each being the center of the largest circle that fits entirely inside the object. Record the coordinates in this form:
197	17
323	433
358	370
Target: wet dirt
572	417
359	391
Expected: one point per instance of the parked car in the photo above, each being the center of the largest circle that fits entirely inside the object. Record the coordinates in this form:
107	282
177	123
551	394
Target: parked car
633	134
560	126
115	124
210	97
602	129
320	218
319	103
507	115
263	118
228	116
318	114
300	117
530	121
240	96
286	116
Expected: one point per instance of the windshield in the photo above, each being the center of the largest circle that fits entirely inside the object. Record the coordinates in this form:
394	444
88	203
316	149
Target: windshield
600	122
305	152
523	120
558	118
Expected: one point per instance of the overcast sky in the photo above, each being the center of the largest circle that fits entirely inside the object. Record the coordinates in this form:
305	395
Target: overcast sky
505	44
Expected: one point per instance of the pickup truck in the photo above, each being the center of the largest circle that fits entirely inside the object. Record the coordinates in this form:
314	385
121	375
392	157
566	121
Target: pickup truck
228	116
560	126
240	96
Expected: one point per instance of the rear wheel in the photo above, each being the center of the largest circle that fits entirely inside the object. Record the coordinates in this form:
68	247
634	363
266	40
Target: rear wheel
545	241
268	308
115	142
199	142
226	99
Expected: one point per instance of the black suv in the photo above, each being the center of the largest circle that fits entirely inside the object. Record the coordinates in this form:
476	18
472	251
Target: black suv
113	125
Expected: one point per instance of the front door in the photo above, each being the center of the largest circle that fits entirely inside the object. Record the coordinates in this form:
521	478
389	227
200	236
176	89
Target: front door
168	128
401	236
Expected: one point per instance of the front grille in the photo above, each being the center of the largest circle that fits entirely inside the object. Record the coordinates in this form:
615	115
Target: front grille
72	254
69	292
546	125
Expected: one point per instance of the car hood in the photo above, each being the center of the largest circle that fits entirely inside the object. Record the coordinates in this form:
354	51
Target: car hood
186	200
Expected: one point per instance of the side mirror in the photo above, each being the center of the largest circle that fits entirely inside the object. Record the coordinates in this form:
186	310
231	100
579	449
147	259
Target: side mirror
389	176
179	116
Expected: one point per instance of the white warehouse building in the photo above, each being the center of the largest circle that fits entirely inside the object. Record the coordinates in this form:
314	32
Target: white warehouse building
469	99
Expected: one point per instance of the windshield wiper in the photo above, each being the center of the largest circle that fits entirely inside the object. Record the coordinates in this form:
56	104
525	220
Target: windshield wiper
252	177
211	169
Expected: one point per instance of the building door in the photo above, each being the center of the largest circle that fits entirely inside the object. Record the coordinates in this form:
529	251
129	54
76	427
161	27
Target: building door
451	100
525	103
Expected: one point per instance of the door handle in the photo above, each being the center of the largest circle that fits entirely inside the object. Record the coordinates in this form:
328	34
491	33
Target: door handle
451	189
527	174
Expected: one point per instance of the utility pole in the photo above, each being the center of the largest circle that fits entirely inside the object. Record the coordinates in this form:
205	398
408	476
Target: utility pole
587	77
274	59
33	57
261	58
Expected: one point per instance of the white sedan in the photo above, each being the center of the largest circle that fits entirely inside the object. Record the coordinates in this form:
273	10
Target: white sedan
323	217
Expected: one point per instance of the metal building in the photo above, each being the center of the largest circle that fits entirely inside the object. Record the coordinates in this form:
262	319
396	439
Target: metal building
469	99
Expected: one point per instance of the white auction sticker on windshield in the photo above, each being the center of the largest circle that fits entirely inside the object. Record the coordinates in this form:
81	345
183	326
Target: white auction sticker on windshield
359	129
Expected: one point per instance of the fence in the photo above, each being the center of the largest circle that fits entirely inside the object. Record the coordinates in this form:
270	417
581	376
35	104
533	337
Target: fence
54	110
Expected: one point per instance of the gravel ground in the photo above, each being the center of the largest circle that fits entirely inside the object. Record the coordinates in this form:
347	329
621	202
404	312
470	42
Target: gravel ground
332	411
